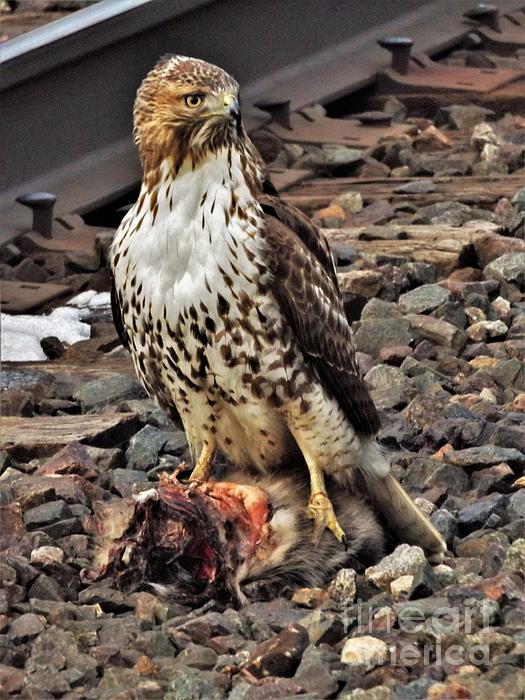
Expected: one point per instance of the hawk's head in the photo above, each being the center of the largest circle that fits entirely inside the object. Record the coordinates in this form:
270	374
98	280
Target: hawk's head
185	108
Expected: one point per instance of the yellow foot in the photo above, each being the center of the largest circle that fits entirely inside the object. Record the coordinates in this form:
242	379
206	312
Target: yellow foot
321	511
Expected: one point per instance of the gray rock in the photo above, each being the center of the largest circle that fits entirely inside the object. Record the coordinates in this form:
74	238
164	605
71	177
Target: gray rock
176	443
512	436
64	528
405	559
344	254
103	241
480	301
122	480
25	627
478	543
28	271
374	334
46	514
154	643
452	312
425	582
479	457
509	268
395	109
515	556
144	448
46	588
516	505
187	685
430	473
491	479
314	675
419	273
450	213
81	261
519	200
105	458
413	691
330	157
445	523
377	308
12	680
44	681
109	599
476	514
438	331
510	373
416	187
423	299
211	624
148	413
414	368
197	656
389	387
463	116
110	390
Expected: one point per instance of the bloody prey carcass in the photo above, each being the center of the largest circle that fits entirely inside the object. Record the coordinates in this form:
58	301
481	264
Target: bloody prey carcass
194	541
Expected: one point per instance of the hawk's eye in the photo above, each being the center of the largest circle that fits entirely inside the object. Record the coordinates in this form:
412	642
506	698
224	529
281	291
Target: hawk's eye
193	101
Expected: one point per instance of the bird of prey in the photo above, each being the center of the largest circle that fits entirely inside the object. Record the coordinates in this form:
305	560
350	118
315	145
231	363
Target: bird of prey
229	303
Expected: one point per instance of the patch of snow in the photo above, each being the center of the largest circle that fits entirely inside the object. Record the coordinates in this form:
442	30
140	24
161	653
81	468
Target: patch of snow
21	334
82	299
90	300
20	347
102	299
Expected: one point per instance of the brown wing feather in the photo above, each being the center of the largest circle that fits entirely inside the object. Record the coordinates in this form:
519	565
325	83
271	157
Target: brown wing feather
117	316
301	225
306	289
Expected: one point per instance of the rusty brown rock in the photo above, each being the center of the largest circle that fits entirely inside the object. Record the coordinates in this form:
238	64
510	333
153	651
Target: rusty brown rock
490	247
280	655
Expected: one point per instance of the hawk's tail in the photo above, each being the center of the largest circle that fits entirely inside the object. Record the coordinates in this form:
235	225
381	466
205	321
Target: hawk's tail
399	510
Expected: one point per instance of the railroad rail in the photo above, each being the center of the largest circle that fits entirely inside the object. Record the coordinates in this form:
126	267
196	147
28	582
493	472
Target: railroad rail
79	75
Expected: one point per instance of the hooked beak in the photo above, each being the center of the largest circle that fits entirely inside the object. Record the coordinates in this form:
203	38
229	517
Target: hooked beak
231	106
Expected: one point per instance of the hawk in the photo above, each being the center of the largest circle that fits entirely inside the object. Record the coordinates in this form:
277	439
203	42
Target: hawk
228	300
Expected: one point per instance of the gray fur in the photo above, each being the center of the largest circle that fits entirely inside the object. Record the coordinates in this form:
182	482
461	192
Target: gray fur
296	560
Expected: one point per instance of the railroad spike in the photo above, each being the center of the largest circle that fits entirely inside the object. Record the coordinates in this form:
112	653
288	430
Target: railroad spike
400	47
485	14
41	204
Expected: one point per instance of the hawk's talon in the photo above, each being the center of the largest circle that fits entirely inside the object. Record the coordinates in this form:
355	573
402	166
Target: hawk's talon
321	511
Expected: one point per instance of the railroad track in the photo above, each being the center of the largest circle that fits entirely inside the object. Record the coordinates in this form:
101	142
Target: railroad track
67	88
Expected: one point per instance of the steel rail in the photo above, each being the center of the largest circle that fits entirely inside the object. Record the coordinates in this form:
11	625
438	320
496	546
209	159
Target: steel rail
67	88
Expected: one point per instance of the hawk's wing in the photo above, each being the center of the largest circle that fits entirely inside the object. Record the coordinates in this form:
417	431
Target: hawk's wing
301	225
305	285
